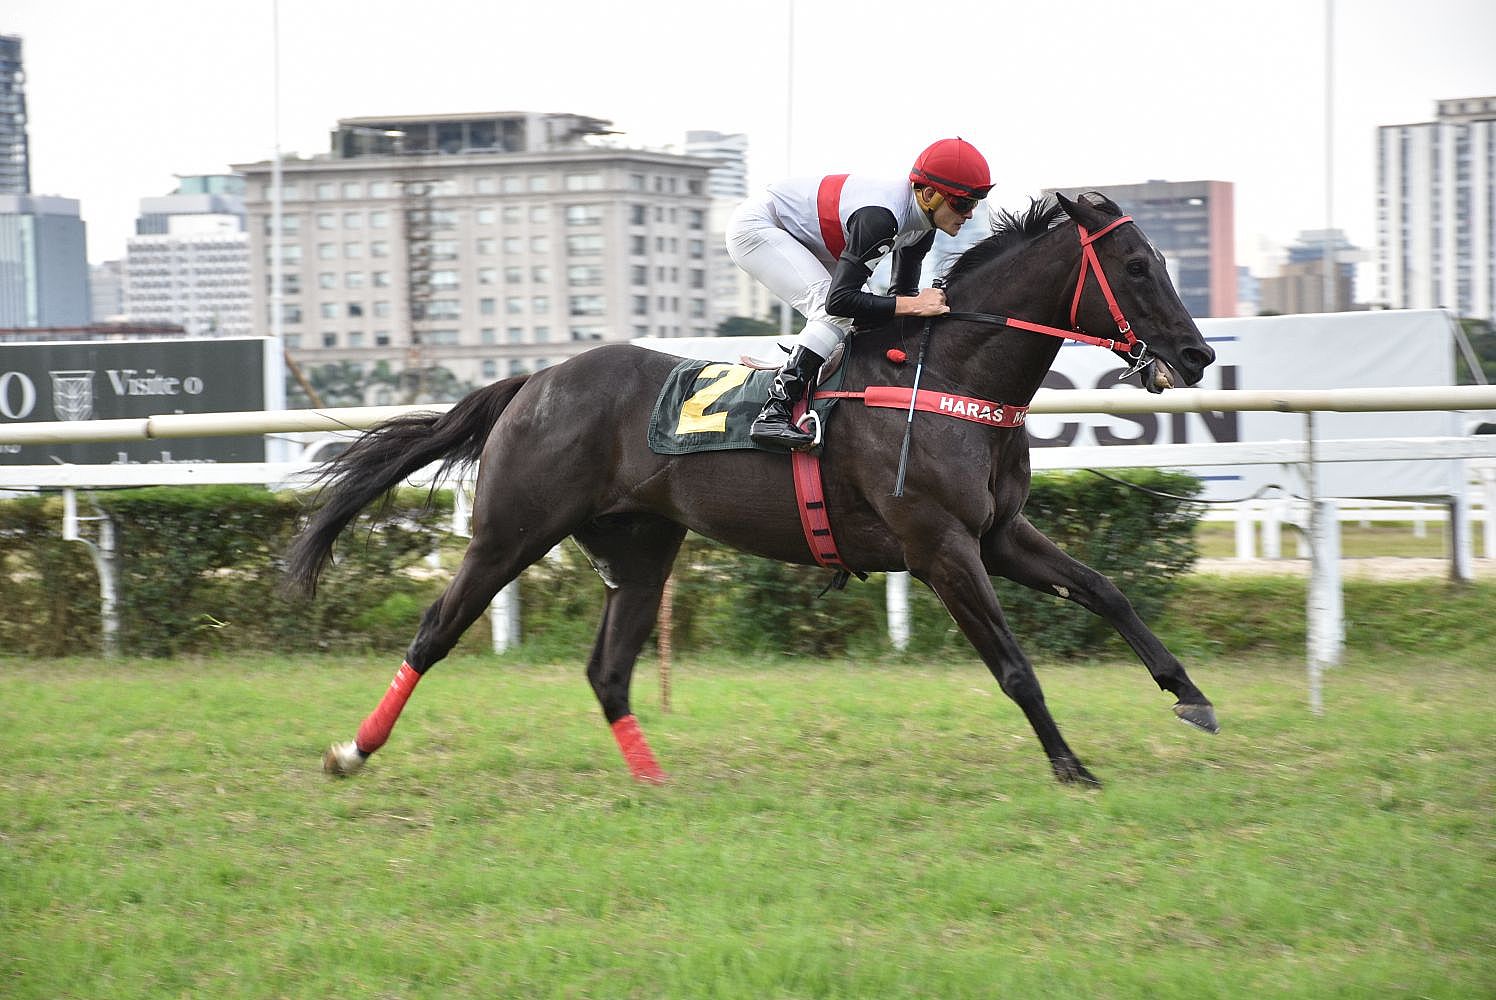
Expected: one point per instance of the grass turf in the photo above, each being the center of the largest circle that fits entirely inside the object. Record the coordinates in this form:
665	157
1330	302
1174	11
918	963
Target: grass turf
831	830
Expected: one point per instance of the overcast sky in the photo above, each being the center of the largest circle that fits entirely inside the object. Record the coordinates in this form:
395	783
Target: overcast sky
122	96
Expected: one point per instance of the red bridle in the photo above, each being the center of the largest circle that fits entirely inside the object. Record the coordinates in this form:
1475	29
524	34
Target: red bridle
1088	263
1126	341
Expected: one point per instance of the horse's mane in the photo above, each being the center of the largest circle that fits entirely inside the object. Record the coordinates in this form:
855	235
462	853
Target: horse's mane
1010	230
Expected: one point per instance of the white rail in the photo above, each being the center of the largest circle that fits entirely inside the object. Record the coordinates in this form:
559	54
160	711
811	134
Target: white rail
1368	400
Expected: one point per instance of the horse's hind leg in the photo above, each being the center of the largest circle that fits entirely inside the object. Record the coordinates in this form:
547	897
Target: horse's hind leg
1023	554
633	555
493	559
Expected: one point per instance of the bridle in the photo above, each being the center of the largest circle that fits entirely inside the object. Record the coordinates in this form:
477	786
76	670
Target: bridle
1126	342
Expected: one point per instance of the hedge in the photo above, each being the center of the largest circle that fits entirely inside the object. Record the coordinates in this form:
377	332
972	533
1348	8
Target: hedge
200	572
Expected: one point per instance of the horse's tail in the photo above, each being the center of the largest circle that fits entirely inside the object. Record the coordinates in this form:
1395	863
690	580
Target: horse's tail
379	459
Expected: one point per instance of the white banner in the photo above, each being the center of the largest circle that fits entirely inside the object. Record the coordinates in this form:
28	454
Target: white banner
1309	351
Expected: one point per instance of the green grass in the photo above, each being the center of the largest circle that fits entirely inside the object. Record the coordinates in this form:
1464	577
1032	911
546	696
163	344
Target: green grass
832	830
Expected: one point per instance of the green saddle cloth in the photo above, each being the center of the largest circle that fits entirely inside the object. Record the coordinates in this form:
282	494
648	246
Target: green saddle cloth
710	405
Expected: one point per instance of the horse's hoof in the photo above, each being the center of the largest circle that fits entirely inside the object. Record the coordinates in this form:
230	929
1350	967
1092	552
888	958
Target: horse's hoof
1199	716
1072	772
342	759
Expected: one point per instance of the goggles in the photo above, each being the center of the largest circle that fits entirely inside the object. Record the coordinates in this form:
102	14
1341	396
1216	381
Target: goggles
961	204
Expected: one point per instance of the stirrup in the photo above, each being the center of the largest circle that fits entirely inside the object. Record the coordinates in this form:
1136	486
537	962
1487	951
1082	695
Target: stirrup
814	418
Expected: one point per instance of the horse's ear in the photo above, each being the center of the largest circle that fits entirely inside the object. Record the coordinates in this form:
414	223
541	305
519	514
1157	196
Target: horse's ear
1098	200
1082	212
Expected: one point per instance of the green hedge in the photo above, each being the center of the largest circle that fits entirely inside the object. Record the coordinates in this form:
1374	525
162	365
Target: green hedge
200	572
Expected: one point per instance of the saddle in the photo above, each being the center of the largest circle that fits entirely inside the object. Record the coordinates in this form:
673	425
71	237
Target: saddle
709	406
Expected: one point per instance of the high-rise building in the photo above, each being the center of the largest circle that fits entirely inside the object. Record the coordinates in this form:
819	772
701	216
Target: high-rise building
43	262
733	291
485	244
728	179
196	194
1299	285
1436	210
15	158
1193	224
189	264
106	292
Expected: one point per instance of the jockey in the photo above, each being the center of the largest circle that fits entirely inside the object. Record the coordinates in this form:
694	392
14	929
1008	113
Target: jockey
814	242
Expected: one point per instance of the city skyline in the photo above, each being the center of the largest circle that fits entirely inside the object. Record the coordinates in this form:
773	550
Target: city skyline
1160	91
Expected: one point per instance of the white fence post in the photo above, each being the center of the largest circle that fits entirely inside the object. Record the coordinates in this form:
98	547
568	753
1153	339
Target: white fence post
1326	625
898	610
103	558
1462	560
1246	530
503	617
1488	480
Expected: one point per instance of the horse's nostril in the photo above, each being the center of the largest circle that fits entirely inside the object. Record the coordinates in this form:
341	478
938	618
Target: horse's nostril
1199	357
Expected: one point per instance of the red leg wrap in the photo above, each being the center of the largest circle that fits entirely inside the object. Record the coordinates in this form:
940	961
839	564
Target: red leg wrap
636	752
376	728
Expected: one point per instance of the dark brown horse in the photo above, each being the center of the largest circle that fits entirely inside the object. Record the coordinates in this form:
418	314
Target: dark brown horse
563	453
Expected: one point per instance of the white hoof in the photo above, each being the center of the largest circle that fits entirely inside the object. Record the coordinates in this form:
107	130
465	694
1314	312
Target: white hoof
342	759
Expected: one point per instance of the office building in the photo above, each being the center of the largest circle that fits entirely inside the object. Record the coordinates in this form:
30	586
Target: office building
484	244
1436	210
43	262
189	262
733	291
216	195
1299	285
15	156
1193	225
106	292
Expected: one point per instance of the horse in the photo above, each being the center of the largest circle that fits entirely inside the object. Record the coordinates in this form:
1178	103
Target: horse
562	452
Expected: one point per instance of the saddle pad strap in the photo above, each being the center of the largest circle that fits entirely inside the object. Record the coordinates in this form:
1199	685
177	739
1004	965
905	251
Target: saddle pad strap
979	411
810	497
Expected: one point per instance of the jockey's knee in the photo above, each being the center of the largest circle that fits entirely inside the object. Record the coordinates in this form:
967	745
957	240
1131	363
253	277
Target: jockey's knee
821	337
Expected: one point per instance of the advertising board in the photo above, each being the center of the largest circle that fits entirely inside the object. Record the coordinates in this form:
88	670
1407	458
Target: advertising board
102	380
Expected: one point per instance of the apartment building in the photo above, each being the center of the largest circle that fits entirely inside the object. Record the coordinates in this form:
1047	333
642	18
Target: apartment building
15	155
486	244
1436	210
189	262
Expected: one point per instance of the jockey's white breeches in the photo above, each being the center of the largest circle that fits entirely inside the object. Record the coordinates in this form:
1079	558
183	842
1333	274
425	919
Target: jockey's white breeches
785	266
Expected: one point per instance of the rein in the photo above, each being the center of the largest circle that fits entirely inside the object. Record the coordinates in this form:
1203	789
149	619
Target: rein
1128	342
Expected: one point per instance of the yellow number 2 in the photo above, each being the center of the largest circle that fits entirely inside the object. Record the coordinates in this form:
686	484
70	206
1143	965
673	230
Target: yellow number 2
719	378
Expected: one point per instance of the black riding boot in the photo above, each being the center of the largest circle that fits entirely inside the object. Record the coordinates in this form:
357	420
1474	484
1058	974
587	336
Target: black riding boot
773	428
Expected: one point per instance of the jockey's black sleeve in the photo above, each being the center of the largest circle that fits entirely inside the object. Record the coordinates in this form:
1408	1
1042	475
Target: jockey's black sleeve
870	233
906	264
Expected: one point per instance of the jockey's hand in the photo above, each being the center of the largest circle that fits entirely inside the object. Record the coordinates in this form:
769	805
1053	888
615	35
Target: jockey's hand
929	302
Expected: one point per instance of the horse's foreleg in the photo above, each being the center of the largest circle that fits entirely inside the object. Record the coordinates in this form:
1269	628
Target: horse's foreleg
1022	553
956	574
629	614
633	555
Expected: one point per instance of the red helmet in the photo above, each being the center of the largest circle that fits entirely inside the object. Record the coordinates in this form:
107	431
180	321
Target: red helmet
953	166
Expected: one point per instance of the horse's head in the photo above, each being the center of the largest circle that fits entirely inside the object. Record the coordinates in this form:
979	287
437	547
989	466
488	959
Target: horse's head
1132	291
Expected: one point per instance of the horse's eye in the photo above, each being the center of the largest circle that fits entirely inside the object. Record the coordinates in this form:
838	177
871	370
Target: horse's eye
1137	267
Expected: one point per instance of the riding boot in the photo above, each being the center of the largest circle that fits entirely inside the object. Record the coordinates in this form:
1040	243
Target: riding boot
773	428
